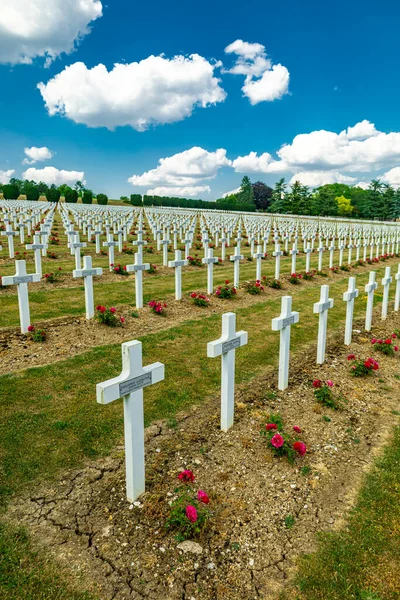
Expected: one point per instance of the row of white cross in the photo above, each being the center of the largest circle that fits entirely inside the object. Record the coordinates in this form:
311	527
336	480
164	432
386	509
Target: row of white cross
134	377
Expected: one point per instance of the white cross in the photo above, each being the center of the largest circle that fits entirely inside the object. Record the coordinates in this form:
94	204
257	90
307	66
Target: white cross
307	252
341	248
139	242
223	247
187	241
120	235
386	281
258	256
210	261
397	296
320	250
294	252
21	280
129	386
10	235
225	347
77	245
138	269
277	255
110	245
88	272
97	234
236	258
165	242
331	251
349	297
321	308
370	289
36	247
283	324
177	264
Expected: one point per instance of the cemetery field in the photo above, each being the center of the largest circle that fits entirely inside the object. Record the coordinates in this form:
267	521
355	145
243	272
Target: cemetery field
67	529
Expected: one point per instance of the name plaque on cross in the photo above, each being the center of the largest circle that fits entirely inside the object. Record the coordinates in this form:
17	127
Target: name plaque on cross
325	306
230	345
137	383
88	272
23	279
288	321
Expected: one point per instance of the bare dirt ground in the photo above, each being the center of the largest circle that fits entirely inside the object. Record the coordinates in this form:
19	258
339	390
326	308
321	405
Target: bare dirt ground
120	550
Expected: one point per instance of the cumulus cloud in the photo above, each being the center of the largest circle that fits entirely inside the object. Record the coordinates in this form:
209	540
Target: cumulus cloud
264	82
154	91
43	28
357	149
5	176
184	192
392	177
52	175
35	154
184	170
317	178
231	192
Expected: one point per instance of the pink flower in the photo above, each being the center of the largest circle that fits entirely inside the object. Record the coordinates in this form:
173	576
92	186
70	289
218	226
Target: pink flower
122	319
395	348
186	476
203	497
112	310
277	440
191	513
270	426
373	341
394	336
300	448
297	429
329	383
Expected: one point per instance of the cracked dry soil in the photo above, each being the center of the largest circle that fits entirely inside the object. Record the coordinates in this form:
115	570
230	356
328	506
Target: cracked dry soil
121	551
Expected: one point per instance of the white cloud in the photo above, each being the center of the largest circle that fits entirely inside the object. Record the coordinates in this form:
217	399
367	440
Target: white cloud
392	177
5	176
35	154
361	131
264	82
252	163
363	184
184	192
188	168
51	175
317	178
43	28
154	91
231	192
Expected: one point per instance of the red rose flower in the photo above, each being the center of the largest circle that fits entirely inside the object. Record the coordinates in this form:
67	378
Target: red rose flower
191	513
186	476
300	448
203	497
112	310
317	383
270	426
297	429
31	328
351	357
277	440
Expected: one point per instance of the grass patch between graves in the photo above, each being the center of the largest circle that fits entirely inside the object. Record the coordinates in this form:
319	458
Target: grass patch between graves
362	561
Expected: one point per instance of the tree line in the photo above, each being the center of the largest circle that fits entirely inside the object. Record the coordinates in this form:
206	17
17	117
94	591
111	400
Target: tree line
33	190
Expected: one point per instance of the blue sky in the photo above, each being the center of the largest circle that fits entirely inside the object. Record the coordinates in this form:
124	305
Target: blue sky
341	60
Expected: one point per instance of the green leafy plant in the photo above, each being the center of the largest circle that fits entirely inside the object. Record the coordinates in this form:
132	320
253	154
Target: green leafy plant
194	261
283	443
53	277
189	511
108	316
254	287
361	367
37	335
225	291
272	283
295	278
386	346
309	275
200	299
119	270
324	395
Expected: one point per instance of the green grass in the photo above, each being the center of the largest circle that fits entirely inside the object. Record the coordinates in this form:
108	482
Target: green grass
361	561
25	574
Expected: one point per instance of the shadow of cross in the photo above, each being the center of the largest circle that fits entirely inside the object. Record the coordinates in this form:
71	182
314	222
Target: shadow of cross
129	386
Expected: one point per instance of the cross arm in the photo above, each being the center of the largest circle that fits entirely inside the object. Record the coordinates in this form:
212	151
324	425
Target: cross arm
222	345
120	386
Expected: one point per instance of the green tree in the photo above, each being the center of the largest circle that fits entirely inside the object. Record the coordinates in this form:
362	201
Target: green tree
71	196
279	202
245	194
53	194
102	199
10	191
79	187
344	206
136	199
87	197
31	190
